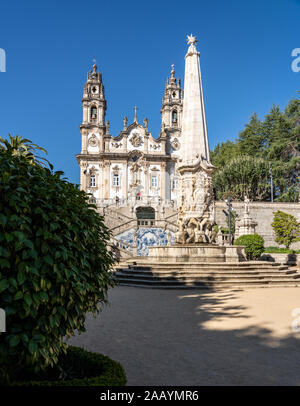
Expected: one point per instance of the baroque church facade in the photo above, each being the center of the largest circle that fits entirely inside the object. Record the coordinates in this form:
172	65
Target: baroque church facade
135	179
133	166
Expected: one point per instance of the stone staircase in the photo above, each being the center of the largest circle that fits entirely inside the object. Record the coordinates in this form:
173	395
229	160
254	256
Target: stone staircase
192	275
119	222
122	219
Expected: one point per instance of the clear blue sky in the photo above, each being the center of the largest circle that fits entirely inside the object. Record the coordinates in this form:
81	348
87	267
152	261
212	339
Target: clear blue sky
245	60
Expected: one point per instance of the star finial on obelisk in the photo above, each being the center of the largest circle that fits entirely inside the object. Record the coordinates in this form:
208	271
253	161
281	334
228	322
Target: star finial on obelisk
191	40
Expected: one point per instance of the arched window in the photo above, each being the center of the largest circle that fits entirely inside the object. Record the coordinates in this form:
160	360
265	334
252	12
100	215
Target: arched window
93	112
174	117
92	180
174	183
154	181
116	179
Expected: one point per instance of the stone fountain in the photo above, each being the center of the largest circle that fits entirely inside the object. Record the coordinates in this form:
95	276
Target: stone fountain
196	241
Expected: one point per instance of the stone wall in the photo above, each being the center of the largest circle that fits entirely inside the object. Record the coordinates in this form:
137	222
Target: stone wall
262	212
285	259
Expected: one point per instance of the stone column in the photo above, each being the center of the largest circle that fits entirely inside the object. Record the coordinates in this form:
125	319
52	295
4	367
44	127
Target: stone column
85	113
83	176
106	180
163	180
146	174
84	141
101	180
124	180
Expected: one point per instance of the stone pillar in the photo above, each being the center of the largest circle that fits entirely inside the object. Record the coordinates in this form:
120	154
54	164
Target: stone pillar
84	141
163	180
83	176
125	189
85	113
106	180
101	180
146	172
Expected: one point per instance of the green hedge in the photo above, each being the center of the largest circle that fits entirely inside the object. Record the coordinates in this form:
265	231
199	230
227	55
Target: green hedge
254	245
77	367
277	250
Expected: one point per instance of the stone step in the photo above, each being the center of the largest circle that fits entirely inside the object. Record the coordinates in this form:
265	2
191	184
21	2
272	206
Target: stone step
201	267
208	283
159	270
158	273
246	264
179	275
196	278
215	287
224	265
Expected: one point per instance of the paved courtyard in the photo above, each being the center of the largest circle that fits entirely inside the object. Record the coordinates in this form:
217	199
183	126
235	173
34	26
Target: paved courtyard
193	337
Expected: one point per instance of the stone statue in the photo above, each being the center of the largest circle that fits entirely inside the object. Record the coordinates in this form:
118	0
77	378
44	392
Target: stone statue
208	230
220	237
246	205
213	237
199	236
203	222
146	124
125	120
191	235
107	127
168	234
181	233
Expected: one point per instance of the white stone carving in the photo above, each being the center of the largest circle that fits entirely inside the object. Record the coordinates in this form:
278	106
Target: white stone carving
136	140
93	141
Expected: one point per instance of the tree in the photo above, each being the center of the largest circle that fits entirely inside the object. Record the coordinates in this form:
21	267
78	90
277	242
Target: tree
286	228
223	153
54	262
276	140
252	139
23	147
242	176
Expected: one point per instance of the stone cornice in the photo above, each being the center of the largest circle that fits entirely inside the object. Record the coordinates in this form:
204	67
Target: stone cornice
275	205
91	126
114	156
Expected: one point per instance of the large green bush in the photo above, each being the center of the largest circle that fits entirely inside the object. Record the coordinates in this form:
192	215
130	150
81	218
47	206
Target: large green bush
54	262
254	245
77	367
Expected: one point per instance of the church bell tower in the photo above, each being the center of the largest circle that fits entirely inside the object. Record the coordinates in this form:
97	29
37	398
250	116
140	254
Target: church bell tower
171	109
93	127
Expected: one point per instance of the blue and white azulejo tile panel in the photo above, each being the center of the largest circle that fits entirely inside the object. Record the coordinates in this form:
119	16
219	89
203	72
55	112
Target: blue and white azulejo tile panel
146	237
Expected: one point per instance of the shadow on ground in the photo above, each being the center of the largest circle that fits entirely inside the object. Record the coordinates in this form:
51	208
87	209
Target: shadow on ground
176	337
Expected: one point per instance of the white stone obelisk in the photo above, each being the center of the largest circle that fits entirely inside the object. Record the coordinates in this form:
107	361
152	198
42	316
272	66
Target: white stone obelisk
195	193
193	131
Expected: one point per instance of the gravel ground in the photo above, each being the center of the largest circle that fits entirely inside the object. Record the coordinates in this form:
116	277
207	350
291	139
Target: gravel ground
194	337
